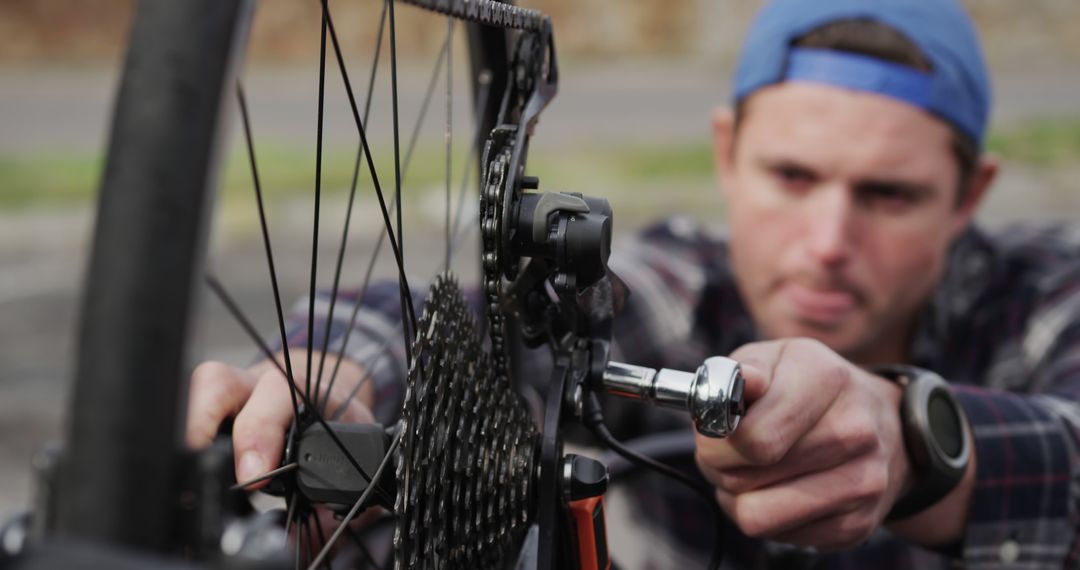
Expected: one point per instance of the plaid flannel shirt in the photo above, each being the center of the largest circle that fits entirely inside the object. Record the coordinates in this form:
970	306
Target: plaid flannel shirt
1003	327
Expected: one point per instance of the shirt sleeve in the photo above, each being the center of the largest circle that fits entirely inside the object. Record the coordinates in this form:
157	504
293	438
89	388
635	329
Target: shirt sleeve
1025	510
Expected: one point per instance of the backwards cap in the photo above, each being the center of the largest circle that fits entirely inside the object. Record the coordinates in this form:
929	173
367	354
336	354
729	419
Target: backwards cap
957	89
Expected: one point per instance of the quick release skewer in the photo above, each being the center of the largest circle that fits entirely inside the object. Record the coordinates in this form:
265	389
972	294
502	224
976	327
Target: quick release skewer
713	395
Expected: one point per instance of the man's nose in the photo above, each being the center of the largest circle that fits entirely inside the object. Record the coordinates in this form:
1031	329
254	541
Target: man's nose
830	227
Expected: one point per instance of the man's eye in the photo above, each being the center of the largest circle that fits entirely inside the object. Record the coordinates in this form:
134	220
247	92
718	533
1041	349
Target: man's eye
888	196
793	175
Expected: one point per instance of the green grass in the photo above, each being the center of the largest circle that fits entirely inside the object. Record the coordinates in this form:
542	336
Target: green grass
640	179
52	179
629	164
46	179
1043	142
643	183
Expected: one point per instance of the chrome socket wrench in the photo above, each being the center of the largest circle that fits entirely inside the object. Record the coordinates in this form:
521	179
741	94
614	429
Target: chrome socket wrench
713	395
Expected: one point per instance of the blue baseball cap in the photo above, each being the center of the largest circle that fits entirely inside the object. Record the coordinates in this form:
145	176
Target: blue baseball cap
957	90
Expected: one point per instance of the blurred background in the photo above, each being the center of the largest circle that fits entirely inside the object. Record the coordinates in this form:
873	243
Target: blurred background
630	123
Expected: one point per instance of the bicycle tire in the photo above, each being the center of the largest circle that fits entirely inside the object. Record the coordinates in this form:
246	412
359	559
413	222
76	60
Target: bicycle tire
116	479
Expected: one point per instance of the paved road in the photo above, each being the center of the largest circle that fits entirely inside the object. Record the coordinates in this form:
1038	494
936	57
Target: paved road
68	109
41	252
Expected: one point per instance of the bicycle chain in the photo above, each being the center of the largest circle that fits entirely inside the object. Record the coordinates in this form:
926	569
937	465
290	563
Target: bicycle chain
465	467
493	261
486	12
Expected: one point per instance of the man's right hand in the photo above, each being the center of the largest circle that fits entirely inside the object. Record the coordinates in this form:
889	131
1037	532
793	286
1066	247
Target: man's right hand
259	401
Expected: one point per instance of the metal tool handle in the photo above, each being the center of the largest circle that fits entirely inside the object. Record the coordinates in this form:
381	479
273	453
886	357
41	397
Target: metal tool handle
713	395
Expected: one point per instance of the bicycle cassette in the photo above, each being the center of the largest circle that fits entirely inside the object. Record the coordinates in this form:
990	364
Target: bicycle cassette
466	461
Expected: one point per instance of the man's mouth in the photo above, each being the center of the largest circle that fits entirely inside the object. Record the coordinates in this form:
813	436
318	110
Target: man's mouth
826	307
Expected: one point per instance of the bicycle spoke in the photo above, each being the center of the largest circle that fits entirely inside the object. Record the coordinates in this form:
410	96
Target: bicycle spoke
424	105
369	371
246	119
268	475
481	98
449	126
249	328
355	510
406	163
290	512
406	292
374	65
348	215
352	320
318	192
411	313
333	300
464	233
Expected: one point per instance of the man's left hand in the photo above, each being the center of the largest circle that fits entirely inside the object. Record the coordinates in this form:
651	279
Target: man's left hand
819	457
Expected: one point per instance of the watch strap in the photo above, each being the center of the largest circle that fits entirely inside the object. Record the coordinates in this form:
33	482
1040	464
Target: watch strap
937	437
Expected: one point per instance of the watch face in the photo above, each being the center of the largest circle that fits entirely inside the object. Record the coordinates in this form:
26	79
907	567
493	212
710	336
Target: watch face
936	435
945	424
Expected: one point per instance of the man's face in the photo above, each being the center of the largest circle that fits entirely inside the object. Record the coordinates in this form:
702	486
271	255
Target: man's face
842	206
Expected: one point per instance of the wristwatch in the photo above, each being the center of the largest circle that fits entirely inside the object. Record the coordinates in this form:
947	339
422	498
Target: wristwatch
936	435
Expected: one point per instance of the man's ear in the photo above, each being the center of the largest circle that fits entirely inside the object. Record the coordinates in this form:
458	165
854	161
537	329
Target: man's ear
723	130
982	178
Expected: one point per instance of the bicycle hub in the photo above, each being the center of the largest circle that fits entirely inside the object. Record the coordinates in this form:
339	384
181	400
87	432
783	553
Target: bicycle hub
713	395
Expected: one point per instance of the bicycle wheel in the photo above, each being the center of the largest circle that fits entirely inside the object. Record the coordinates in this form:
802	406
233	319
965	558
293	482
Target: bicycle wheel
119	478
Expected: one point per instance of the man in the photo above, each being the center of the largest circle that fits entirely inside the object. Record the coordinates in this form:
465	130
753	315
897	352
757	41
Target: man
852	167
